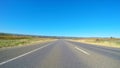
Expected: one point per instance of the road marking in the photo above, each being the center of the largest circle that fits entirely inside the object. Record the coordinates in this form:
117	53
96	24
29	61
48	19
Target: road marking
79	49
82	50
23	54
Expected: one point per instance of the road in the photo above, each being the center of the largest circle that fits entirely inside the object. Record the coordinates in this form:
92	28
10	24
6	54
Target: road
60	54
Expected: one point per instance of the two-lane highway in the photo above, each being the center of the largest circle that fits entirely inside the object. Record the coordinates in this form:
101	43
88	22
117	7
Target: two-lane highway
60	54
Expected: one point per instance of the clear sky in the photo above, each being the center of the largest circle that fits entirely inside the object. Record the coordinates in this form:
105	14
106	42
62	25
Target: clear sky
82	18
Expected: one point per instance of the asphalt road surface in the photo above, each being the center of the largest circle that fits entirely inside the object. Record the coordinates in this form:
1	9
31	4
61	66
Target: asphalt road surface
60	54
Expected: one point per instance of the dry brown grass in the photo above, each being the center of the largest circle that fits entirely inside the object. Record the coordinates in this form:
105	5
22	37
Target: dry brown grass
10	41
109	42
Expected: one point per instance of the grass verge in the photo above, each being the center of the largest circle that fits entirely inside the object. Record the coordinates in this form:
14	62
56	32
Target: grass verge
10	41
109	42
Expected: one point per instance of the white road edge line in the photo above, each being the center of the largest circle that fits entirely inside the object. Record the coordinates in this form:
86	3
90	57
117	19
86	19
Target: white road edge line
23	55
82	50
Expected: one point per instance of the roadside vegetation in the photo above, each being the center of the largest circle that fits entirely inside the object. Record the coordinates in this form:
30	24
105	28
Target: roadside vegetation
9	40
110	42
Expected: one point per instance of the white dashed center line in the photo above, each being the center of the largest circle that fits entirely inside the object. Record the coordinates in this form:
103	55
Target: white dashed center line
82	50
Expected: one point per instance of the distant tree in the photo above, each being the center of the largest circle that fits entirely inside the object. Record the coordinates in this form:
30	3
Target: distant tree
97	40
112	38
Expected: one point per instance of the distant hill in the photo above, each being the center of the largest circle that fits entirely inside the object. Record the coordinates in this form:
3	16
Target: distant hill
22	35
40	36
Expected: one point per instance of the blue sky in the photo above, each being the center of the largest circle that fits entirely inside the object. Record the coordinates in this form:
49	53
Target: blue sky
79	18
